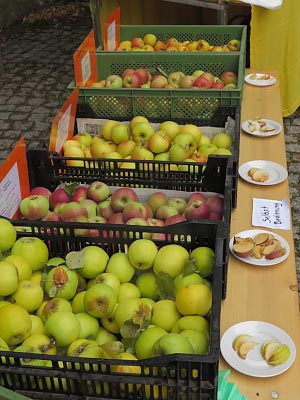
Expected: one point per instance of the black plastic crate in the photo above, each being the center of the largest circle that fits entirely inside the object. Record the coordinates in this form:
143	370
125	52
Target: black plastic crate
50	170
177	376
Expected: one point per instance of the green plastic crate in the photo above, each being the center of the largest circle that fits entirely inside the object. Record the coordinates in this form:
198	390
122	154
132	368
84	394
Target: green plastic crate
215	35
164	103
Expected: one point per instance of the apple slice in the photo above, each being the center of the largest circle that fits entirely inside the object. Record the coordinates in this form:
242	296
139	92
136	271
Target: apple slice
260	176
269	249
245	347
268	349
279	251
257	252
239	340
252	171
261	238
280	355
243	249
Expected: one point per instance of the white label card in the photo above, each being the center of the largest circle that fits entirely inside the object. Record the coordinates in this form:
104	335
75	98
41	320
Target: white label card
86	68
271	214
10	193
111	36
63	128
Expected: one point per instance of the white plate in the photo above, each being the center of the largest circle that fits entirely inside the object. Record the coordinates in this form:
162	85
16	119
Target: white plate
276	172
254	364
277	128
260	82
263	261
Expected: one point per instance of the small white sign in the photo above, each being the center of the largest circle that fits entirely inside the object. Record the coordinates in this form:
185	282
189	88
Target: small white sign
63	129
86	68
271	214
10	193
111	36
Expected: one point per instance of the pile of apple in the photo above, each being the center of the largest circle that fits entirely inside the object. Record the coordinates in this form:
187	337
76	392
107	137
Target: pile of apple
146	302
141	140
149	42
142	78
98	203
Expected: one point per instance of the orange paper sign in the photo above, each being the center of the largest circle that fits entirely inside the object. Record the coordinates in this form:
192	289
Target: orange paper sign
14	182
85	64
63	124
112	31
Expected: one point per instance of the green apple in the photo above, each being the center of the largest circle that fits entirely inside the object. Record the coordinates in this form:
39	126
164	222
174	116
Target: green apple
23	266
104	336
85	348
38	326
8	235
165	314
222	140
222	152
170	259
77	302
194	322
172	343
3	345
61	282
120	133
198	340
64	327
204	258
107	127
135	310
146	283
9	279
156	200
33	249
29	295
89	326
207	149
15	324
25	348
187	141
108	278
194	299
184	280
52	306
145	341
99	300
172	128
119	265
141	132
128	290
42	342
95	261
109	322
142	253
204	140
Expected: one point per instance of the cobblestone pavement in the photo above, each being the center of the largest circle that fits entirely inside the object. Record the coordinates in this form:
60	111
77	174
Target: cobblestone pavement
38	66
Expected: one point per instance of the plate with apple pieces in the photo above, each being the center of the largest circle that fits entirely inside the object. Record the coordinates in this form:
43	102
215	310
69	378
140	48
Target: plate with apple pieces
258	349
261	127
264	173
259	247
260	79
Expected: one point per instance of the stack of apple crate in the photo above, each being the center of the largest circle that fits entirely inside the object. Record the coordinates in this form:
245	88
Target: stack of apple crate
177	376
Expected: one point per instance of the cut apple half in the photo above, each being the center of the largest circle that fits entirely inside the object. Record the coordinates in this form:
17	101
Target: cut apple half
261	238
239	340
269	348
243	249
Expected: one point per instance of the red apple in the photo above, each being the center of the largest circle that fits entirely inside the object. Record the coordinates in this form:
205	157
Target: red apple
126	72
98	191
59	196
52	216
80	194
174	219
187	81
143	74
72	210
197	196
34	207
134	209
228	77
40	190
116	218
218	85
215	203
158	82
137	42
121	197
197	209
205	80
132	81
104	209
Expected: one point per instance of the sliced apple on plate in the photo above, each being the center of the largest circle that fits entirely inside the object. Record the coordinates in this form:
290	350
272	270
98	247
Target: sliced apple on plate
245	347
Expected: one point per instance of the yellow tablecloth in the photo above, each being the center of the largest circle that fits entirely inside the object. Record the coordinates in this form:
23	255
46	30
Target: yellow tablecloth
275	44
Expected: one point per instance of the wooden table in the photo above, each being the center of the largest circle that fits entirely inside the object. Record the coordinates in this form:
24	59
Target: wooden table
255	293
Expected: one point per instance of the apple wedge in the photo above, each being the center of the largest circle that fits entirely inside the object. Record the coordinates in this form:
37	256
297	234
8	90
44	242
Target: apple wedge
269	348
239	340
280	355
257	252
260	176
244	349
269	249
279	251
261	238
243	249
